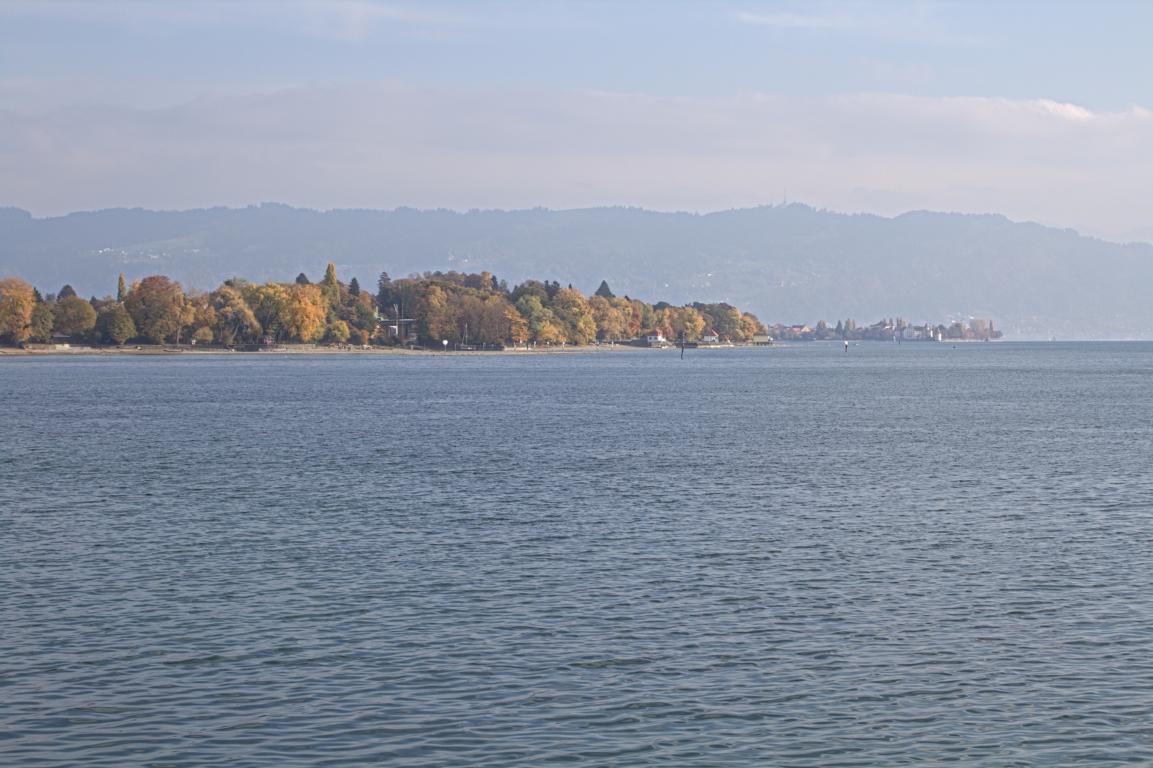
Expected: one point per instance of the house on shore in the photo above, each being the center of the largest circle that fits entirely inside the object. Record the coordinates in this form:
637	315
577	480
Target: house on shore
655	339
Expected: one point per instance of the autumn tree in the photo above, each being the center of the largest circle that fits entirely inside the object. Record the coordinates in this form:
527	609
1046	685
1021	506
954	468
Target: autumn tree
517	326
633	312
725	319
157	306
235	320
73	316
751	326
611	321
543	326
689	322
17	300
304	313
204	320
467	310
493	325
436	321
666	320
573	311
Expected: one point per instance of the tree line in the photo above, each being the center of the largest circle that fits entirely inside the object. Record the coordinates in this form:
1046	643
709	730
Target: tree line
427	309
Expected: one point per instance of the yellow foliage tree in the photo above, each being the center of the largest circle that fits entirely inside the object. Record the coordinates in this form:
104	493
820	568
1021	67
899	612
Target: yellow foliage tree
438	322
304	312
17	298
691	322
575	315
611	322
235	320
204	319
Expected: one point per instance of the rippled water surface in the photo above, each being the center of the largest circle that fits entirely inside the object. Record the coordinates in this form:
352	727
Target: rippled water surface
908	554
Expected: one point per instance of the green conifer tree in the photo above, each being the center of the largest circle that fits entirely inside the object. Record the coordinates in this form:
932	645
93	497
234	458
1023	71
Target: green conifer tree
329	285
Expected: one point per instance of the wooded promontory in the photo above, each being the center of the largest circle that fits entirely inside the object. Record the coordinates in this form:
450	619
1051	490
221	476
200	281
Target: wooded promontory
471	310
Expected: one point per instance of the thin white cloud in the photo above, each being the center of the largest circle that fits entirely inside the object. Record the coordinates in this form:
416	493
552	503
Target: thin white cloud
1066	111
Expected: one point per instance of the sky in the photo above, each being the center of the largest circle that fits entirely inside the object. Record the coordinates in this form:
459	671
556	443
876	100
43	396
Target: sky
1040	111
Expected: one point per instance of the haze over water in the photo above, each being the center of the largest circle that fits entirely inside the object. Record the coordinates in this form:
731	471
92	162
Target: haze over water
798	557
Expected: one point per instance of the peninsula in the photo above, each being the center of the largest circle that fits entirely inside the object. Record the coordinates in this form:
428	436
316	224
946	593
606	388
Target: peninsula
434	310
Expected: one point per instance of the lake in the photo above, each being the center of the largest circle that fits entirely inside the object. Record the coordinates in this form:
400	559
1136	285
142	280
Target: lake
903	554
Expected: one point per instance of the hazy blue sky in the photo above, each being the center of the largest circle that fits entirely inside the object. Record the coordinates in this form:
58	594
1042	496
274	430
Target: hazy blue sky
1038	110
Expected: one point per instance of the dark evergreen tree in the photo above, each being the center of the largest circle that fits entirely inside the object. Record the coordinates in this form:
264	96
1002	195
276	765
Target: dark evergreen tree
302	279
354	287
604	291
40	328
65	292
383	291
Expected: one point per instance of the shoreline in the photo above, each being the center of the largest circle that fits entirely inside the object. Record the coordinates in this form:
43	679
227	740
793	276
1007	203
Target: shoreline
308	349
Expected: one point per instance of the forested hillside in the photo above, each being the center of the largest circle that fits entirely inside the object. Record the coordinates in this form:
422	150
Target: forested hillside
786	263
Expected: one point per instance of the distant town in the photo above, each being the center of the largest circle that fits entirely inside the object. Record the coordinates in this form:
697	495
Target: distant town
435	310
892	329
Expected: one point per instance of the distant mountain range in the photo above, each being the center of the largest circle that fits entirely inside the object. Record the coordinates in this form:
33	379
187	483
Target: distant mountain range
787	263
